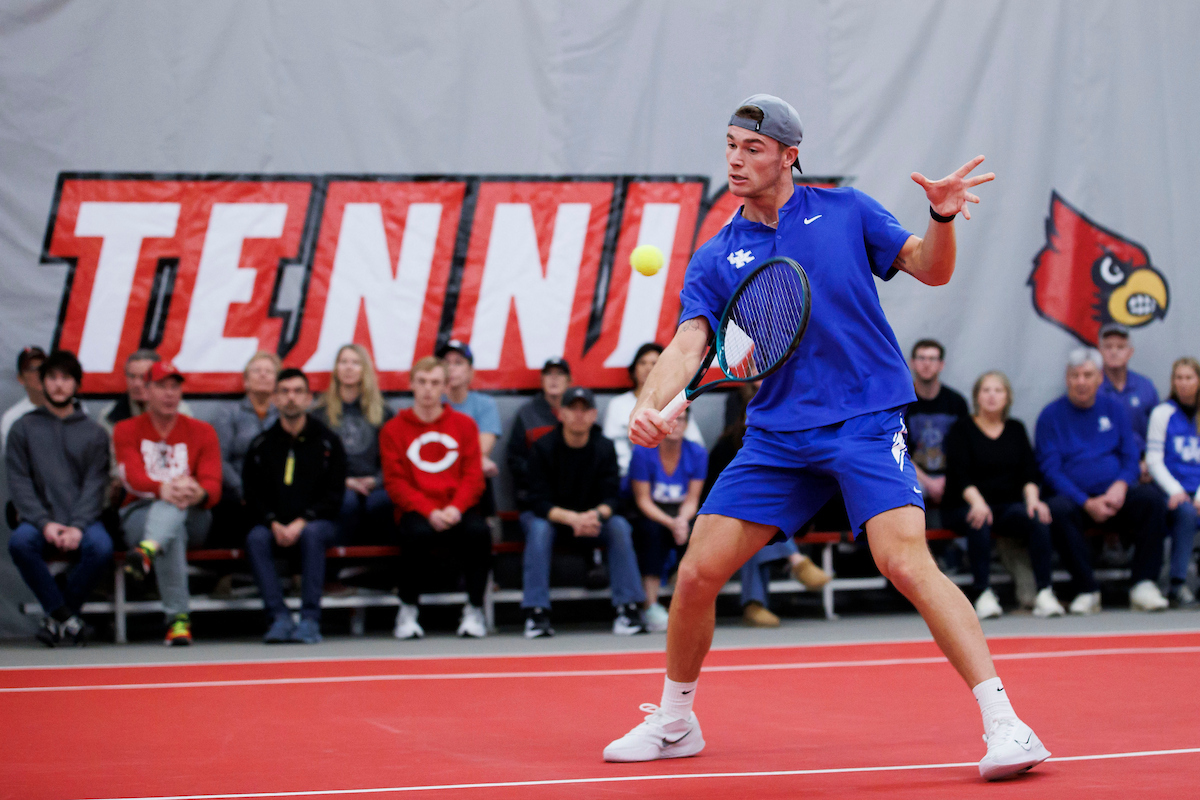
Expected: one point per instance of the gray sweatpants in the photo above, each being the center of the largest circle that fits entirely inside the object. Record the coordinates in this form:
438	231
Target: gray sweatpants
174	531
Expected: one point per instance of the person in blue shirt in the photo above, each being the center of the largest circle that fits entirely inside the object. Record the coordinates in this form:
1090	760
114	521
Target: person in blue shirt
831	418
1136	392
460	371
666	482
1173	457
1088	456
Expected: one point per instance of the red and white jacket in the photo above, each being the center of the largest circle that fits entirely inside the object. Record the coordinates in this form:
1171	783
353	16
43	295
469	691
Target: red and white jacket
146	460
431	465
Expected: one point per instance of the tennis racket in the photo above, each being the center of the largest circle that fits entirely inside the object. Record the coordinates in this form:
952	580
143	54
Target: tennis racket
760	328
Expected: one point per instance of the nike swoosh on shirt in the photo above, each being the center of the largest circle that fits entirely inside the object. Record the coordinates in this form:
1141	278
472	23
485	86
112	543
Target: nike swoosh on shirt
808	220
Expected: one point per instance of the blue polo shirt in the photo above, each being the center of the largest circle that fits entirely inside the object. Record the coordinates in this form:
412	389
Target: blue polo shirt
1081	451
1139	398
849	362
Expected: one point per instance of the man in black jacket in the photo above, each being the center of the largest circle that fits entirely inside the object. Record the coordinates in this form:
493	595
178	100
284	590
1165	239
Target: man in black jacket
534	420
57	461
293	480
573	489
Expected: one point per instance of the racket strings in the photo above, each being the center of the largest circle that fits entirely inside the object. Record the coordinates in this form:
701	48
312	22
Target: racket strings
764	320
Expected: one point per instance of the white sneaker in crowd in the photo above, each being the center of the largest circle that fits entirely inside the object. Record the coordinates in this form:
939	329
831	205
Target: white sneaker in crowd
660	736
1047	605
628	620
1086	603
987	605
1145	596
473	623
407	626
1012	747
656	618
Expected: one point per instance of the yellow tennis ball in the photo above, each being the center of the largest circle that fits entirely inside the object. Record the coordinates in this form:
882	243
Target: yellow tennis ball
646	259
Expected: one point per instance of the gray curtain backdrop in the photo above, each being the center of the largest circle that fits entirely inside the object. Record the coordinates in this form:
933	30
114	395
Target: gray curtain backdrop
1094	99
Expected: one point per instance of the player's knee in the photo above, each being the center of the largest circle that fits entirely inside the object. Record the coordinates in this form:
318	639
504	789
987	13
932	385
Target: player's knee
905	567
697	581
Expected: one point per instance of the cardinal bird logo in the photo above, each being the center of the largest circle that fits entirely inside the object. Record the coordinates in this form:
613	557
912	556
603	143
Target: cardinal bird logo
1086	275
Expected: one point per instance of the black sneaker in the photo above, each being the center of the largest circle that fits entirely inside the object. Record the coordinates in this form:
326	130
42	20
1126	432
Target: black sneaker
537	624
49	632
75	631
629	620
1182	597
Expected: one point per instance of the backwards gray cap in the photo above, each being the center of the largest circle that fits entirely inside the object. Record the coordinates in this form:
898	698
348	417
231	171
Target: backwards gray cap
780	121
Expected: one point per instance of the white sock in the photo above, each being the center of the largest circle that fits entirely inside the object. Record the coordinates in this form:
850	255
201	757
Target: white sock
993	703
677	698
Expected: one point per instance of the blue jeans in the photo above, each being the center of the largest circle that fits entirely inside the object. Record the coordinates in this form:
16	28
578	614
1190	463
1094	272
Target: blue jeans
365	518
261	549
756	573
1181	527
615	536
29	549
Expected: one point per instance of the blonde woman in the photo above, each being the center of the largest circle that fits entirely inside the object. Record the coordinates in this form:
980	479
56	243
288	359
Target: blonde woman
353	408
1173	458
992	482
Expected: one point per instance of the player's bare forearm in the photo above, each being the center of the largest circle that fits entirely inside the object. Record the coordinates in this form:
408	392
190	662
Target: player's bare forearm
678	362
931	259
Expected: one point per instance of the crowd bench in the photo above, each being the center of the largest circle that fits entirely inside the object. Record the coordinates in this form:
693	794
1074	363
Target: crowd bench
121	607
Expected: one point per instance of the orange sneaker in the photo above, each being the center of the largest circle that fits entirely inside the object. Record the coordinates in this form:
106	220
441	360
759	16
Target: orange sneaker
179	632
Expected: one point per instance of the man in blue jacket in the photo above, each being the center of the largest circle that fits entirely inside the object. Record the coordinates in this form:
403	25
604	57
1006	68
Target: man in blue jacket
1088	454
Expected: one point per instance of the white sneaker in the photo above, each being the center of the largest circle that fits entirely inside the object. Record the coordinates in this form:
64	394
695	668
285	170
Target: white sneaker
1145	596
987	605
1086	603
473	623
407	626
629	620
1012	747
659	736
1047	605
656	618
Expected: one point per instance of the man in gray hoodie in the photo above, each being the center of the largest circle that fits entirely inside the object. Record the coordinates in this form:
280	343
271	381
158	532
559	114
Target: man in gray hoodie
57	460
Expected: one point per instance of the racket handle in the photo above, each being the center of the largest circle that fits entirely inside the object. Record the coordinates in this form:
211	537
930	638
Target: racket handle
676	407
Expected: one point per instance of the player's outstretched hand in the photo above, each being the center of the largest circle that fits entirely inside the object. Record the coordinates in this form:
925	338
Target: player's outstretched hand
949	196
647	427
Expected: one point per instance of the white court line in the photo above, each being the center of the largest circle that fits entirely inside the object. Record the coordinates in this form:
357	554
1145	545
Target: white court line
589	673
517	653
631	778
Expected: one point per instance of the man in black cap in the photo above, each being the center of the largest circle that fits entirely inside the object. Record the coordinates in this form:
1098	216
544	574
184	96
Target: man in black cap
28	362
574	489
534	420
57	462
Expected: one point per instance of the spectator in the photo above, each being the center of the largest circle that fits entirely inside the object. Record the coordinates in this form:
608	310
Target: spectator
1089	459
29	376
666	483
133	402
1136	392
534	420
929	418
992	487
616	416
237	425
57	463
573	489
171	468
293	480
354	409
433	473
1173	457
481	408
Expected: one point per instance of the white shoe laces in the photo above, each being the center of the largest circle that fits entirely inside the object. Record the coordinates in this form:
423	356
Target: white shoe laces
1003	728
653	724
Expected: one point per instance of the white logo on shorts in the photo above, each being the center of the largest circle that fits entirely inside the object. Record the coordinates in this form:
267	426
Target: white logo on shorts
899	445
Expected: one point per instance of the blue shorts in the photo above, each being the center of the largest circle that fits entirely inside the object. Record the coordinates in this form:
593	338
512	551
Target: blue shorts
782	478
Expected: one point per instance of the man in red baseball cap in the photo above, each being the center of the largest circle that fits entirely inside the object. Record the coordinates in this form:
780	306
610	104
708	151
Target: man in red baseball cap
170	464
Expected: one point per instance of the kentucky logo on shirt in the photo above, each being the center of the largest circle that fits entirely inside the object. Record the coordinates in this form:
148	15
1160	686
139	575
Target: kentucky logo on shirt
1105	424
668	493
1188	448
164	461
740	259
443	440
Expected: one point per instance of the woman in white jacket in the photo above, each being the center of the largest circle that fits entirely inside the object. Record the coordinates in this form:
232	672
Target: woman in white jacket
1173	457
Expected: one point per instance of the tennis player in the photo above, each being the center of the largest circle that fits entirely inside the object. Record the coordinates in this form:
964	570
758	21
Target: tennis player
832	417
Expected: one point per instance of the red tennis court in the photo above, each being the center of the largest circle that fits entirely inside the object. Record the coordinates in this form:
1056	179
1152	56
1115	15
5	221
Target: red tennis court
1121	715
